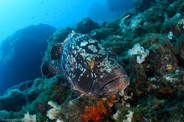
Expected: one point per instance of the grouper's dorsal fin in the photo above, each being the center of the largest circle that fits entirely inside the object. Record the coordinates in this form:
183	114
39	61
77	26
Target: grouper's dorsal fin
56	51
50	68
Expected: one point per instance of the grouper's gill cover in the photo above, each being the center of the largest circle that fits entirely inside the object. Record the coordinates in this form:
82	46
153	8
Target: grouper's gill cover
90	67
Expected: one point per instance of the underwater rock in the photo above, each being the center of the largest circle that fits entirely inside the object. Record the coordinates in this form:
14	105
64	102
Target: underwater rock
86	26
142	5
21	54
13	100
21	86
106	30
3	114
156	85
30	89
17	96
32	97
73	110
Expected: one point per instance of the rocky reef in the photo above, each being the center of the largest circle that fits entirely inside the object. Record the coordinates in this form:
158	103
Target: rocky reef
148	44
21	54
86	26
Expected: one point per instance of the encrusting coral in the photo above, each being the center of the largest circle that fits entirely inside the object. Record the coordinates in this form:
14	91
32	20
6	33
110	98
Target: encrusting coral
139	52
29	118
96	113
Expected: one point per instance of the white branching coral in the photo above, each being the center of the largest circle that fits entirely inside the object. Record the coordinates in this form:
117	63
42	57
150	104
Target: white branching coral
115	116
53	113
139	52
129	117
135	23
29	118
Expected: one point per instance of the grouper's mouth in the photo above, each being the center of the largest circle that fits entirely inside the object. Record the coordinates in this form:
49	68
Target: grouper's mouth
114	85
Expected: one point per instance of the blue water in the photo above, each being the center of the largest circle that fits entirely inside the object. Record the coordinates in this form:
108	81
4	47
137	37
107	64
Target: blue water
18	14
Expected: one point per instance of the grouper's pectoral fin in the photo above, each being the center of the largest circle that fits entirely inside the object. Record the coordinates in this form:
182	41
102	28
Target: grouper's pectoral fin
91	63
56	51
76	94
74	86
69	79
50	68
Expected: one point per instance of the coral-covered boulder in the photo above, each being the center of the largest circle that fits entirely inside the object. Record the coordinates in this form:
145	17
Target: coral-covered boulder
13	100
106	30
17	96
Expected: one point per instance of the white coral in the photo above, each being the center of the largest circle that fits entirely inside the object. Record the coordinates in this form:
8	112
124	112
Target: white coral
140	52
129	117
29	118
53	113
58	120
135	23
115	116
170	35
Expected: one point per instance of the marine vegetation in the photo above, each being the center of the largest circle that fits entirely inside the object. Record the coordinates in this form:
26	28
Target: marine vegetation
147	43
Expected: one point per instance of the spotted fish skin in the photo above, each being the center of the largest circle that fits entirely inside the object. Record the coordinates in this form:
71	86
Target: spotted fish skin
90	67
